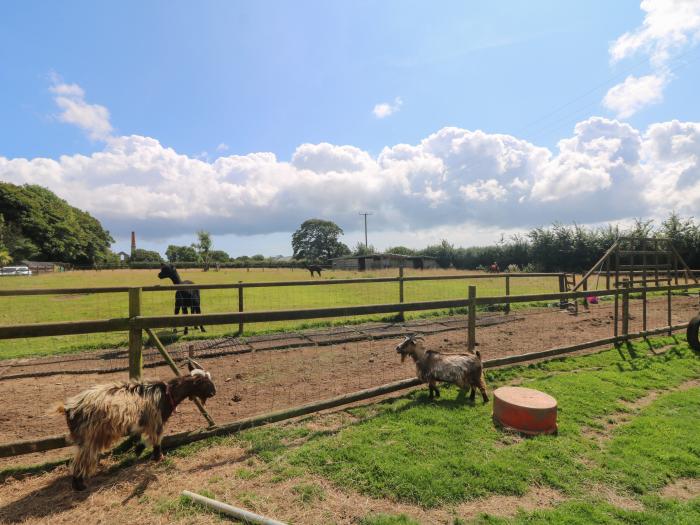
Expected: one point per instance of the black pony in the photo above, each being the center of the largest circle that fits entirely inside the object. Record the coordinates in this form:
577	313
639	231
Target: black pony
183	298
314	268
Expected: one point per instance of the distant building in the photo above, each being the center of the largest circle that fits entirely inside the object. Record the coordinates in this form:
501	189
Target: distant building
37	266
380	261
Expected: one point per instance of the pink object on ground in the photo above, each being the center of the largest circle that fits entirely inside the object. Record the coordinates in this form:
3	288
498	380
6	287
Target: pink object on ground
524	409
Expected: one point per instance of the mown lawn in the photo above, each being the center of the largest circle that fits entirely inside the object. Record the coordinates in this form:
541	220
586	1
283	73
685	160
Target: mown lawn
76	307
437	454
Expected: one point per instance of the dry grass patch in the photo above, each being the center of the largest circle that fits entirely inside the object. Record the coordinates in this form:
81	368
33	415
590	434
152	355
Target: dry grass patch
683	489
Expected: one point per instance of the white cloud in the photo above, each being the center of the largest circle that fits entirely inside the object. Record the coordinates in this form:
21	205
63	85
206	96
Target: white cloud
484	190
634	93
606	171
668	28
222	147
91	118
386	109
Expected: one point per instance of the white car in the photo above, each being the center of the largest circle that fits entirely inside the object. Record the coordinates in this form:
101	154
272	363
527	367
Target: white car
15	270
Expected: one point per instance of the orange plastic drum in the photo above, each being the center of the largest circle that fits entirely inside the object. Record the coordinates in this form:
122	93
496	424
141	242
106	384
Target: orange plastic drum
525	410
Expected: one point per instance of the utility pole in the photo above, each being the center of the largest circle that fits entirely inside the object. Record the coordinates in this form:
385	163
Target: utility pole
365	214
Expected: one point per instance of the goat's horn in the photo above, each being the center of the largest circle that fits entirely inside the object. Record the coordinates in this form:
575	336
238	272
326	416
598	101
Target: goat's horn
192	364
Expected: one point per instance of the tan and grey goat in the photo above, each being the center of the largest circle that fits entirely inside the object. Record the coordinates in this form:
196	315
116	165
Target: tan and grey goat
463	370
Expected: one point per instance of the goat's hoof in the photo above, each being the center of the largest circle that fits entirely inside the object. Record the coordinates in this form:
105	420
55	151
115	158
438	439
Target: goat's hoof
78	484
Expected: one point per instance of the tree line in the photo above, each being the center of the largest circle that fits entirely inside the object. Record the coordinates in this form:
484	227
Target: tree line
35	224
564	248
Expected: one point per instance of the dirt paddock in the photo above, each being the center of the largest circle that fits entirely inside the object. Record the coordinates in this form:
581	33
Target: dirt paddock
259	381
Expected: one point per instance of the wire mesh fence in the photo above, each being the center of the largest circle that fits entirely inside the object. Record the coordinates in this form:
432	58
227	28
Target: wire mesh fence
261	372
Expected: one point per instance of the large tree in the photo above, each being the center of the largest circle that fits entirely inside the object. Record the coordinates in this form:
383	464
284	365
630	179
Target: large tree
203	247
141	255
38	224
316	240
181	254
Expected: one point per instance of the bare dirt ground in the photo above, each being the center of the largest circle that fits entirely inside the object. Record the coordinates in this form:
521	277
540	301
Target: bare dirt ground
253	377
254	382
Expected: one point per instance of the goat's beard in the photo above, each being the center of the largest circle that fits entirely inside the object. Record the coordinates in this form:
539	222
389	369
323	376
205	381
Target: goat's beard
403	357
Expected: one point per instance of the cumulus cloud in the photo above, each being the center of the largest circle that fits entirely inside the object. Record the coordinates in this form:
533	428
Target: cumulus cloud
93	119
634	93
669	27
605	171
386	109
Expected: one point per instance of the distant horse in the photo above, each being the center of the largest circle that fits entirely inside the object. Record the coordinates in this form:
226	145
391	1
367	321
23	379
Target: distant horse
184	299
493	268
314	268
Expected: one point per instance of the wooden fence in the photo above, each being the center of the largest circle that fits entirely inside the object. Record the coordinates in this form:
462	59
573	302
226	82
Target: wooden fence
136	323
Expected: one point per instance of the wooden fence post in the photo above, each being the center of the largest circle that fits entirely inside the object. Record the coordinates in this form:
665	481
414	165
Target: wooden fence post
585	299
240	306
670	322
562	289
625	309
507	293
616	317
471	326
135	336
401	314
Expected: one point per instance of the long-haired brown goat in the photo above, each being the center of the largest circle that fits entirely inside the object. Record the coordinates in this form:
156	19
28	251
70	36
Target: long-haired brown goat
463	370
101	415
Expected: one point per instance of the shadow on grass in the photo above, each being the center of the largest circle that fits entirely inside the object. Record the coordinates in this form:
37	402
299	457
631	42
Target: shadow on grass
58	496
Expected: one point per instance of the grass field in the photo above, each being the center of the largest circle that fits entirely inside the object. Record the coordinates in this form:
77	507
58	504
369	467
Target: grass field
627	452
621	414
75	307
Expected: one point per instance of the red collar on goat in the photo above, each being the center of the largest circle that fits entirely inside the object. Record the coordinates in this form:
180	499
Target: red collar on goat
169	394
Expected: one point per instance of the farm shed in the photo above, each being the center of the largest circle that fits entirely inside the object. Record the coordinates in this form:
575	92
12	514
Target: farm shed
379	261
38	266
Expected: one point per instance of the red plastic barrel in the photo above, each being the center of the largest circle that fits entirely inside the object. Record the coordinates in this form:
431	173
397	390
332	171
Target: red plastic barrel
524	409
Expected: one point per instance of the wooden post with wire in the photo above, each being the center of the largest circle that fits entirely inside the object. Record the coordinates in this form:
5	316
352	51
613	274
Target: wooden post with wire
625	309
669	311
401	298
508	293
240	306
135	336
176	371
616	318
471	326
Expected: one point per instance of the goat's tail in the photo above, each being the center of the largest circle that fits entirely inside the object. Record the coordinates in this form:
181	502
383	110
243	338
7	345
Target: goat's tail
57	408
478	354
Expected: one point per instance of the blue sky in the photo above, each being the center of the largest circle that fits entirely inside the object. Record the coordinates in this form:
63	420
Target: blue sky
184	85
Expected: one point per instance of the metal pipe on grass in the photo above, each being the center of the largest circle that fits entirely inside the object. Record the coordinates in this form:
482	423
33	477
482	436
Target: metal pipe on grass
229	510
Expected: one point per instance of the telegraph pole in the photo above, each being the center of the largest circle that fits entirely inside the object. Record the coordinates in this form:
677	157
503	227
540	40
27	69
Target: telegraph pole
365	214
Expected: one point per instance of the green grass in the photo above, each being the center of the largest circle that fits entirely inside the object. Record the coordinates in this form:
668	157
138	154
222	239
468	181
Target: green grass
656	512
76	307
447	451
457	454
443	452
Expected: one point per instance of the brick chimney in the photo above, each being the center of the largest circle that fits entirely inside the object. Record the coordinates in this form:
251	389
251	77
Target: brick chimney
133	243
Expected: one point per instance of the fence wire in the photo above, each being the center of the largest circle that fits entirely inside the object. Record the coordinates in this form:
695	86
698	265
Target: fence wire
260	372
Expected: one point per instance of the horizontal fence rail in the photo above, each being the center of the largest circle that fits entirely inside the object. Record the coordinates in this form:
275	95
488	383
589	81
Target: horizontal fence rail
173	321
135	323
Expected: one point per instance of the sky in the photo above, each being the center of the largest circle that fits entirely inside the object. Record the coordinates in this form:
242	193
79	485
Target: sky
457	120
